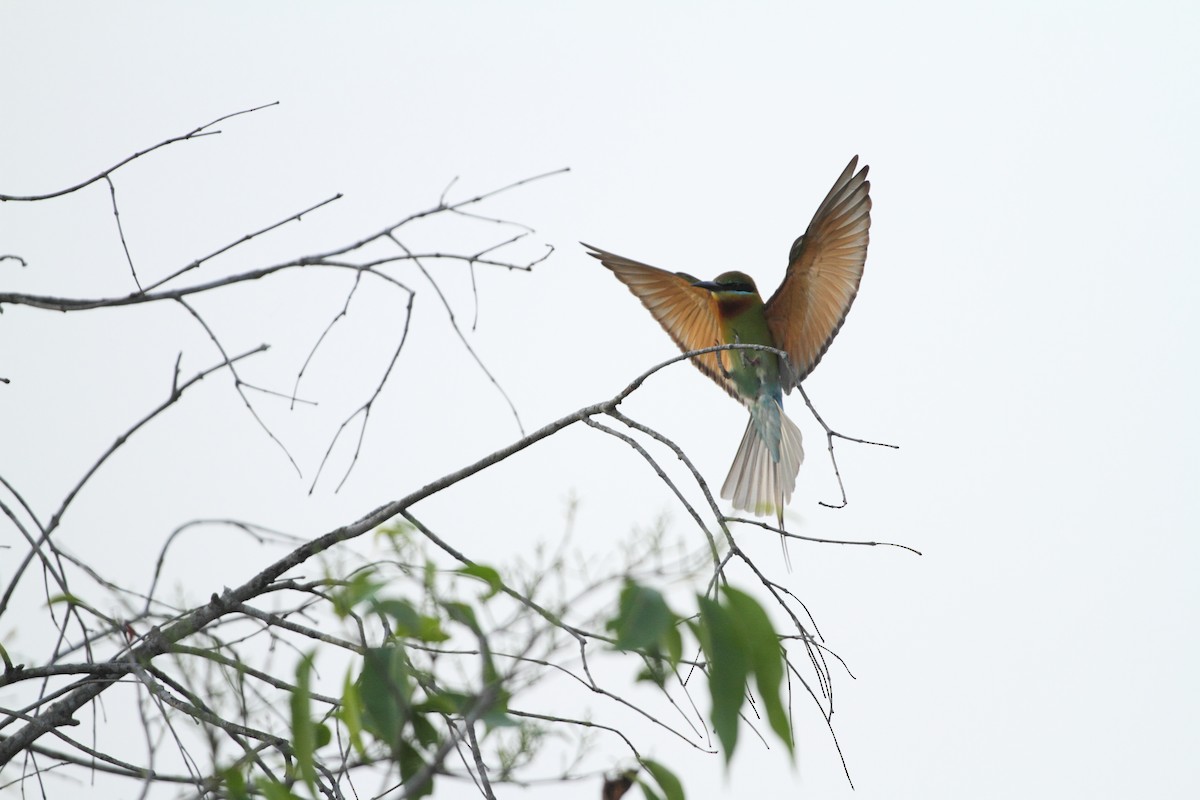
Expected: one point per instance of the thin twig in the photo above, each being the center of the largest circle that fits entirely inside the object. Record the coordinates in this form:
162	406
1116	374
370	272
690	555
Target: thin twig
112	190
480	767
790	535
461	337
238	383
195	133
829	436
120	440
297	217
160	640
365	408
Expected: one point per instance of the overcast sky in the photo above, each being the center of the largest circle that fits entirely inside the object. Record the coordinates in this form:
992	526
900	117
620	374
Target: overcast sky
1026	328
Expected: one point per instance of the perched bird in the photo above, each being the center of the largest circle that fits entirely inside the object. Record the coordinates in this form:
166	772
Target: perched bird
825	266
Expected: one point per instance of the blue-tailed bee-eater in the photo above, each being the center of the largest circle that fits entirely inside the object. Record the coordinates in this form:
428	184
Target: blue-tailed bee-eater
825	266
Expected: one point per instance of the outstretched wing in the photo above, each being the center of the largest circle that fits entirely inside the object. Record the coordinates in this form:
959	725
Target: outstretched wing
687	313
825	266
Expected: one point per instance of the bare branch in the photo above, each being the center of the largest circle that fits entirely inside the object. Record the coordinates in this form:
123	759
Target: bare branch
480	767
279	610
790	535
458	332
238	383
174	397
297	217
829	436
112	190
365	408
195	133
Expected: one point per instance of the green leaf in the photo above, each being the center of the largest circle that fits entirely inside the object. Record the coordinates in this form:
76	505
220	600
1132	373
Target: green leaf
463	614
486	574
648	791
406	619
398	529
431	630
666	779
235	784
642	617
304	737
274	790
351	715
674	644
497	716
761	644
324	735
411	762
727	670
444	702
361	587
653	672
426	733
409	623
386	690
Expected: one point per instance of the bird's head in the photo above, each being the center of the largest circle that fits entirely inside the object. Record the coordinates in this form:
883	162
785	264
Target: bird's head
729	283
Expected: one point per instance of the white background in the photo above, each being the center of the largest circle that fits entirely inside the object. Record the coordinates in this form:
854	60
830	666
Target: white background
1025	329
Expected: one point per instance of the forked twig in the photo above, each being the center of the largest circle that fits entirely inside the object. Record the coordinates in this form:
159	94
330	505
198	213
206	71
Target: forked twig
790	535
195	133
830	433
112	190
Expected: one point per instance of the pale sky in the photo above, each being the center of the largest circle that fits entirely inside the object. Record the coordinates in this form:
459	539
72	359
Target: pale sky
1025	330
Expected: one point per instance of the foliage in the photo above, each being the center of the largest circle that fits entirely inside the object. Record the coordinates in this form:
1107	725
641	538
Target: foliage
406	660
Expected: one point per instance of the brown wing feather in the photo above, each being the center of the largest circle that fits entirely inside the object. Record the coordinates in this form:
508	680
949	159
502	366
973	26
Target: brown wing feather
825	266
687	313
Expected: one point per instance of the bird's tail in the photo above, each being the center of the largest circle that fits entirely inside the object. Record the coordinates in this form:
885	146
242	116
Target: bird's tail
758	482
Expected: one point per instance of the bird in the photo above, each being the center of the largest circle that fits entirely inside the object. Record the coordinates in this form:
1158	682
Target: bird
825	267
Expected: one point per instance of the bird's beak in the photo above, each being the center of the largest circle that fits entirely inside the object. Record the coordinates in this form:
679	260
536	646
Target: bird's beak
711	286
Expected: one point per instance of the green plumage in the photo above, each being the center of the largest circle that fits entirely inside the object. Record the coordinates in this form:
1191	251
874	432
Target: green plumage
755	373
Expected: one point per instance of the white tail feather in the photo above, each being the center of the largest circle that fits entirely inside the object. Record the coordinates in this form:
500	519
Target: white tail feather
757	482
